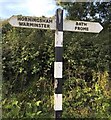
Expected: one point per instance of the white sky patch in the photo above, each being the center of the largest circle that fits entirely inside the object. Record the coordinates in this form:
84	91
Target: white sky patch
27	7
41	7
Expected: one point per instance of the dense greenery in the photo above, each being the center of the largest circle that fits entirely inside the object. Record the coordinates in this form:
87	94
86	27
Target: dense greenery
28	58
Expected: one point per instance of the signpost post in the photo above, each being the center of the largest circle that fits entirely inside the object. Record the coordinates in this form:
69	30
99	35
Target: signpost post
59	26
58	64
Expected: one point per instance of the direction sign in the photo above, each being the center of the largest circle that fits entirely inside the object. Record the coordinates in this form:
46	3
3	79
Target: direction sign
82	26
32	22
49	23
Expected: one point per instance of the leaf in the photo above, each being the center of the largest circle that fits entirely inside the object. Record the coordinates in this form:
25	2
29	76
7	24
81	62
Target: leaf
21	69
8	106
38	103
29	104
15	103
39	112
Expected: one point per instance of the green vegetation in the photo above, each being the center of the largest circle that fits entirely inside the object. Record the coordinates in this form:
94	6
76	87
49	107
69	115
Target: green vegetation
28	63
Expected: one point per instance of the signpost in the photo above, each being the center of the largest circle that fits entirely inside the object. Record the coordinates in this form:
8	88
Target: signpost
49	23
32	22
82	26
59	25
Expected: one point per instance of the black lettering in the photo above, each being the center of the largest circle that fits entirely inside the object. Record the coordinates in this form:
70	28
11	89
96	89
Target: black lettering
85	24
48	26
47	21
87	29
44	25
28	19
39	25
37	20
40	20
25	18
81	24
28	24
24	24
31	19
36	25
43	20
50	21
82	28
76	23
31	24
79	28
20	18
34	19
76	28
21	23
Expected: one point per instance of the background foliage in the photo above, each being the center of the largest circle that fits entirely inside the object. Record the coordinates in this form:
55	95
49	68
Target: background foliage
28	57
